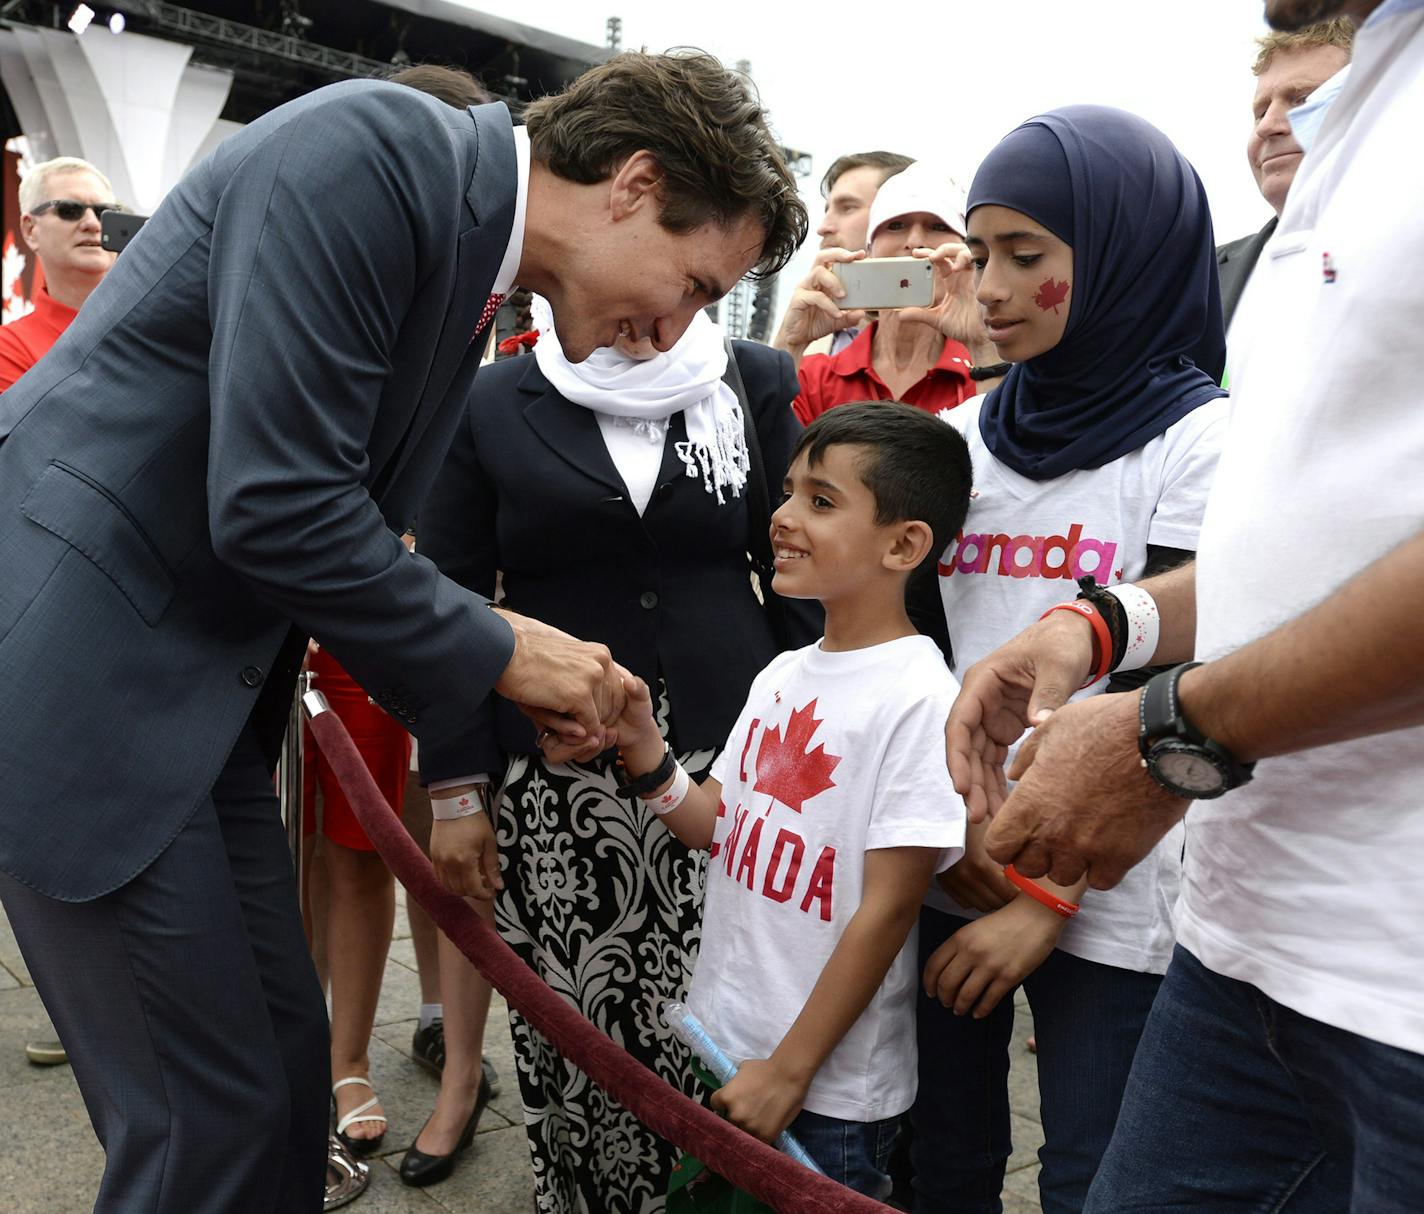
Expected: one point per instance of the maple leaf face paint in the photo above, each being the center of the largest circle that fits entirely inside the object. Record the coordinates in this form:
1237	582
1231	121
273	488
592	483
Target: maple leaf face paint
1024	281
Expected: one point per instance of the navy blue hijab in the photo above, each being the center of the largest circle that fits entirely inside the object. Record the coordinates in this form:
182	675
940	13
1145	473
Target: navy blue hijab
1144	344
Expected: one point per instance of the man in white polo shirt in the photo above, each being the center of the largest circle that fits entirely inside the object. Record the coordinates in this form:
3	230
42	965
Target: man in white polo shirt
1283	1065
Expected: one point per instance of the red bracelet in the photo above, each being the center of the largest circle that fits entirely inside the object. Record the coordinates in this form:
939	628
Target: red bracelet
1035	891
1101	636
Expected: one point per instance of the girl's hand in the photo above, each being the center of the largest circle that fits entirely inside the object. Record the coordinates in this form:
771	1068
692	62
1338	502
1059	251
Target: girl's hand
985	960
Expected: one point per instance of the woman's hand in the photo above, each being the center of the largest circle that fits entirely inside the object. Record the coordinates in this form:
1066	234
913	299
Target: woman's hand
955	312
814	311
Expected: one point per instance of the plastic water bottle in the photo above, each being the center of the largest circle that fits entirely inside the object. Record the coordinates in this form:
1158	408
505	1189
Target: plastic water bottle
688	1029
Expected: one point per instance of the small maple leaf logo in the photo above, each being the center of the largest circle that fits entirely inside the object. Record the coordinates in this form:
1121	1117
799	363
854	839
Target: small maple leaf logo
787	769
464	802
1051	294
1117	573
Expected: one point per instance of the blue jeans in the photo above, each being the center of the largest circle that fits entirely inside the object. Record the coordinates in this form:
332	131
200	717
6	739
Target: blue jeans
1239	1104
854	1153
1087	1018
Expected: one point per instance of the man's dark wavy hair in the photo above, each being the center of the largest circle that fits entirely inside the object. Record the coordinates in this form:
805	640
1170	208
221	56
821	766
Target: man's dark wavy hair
706	128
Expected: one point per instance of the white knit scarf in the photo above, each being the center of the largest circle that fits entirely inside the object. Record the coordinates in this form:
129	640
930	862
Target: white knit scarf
687	378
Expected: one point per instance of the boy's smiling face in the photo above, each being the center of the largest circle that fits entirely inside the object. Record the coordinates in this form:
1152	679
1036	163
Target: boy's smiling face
824	535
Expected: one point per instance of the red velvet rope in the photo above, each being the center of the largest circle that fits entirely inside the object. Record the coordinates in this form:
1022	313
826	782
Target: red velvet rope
748	1163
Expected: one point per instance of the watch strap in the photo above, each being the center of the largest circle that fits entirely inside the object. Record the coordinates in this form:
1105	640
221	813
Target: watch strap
648	783
1160	718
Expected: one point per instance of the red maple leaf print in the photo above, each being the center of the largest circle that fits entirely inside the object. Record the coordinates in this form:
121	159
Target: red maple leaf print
787	768
1051	294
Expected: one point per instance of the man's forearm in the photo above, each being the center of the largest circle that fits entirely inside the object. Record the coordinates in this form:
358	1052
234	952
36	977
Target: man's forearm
1350	667
1175	593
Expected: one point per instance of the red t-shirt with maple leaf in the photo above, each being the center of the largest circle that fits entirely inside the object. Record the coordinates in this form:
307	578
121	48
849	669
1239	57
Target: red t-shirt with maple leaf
833	755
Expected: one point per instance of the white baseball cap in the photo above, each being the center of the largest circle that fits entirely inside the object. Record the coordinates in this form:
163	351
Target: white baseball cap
921	187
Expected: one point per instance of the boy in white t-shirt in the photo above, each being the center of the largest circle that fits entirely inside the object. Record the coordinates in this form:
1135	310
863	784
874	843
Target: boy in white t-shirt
830	809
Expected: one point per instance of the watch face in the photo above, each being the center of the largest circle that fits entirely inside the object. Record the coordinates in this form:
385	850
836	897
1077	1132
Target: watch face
1188	770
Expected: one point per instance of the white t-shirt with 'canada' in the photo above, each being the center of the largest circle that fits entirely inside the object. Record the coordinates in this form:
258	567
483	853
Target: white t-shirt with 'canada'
835	754
1021	550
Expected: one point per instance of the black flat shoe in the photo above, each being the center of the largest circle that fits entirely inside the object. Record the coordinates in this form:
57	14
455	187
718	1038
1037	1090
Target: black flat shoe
418	1169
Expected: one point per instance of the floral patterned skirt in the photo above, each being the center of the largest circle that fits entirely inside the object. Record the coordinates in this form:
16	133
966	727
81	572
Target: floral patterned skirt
605	904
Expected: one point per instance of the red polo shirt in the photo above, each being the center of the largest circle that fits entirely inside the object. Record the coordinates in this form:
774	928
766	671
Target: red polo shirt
25	341
828	380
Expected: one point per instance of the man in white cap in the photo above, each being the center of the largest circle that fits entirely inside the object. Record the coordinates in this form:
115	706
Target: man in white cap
914	355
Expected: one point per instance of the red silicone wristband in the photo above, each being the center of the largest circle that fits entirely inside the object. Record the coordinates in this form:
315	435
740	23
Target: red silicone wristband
1100	634
1035	891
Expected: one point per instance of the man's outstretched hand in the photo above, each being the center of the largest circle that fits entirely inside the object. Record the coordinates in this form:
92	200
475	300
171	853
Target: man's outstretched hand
570	687
1015	687
1083	805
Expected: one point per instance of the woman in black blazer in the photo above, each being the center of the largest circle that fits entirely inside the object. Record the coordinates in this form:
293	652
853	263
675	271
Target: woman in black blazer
597	896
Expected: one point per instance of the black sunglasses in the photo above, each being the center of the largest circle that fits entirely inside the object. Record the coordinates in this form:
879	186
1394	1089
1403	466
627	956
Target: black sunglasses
71	211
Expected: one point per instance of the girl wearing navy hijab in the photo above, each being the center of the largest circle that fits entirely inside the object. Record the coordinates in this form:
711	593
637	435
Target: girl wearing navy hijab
1096	278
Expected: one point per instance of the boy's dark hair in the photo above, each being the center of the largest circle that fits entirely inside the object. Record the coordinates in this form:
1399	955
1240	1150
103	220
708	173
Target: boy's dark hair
452	85
704	125
889	163
915	465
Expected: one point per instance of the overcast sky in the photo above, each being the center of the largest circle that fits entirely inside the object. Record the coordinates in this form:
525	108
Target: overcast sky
945	79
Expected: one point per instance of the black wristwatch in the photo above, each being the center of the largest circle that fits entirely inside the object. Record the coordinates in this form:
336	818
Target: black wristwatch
1179	757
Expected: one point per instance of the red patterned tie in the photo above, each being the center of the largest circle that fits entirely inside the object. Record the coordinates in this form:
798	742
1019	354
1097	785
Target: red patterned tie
491	307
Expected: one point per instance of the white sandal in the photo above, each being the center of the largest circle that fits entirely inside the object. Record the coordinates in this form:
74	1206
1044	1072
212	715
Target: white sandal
361	1146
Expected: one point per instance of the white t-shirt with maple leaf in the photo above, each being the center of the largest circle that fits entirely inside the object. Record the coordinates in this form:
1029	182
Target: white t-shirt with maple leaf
1021	549
834	754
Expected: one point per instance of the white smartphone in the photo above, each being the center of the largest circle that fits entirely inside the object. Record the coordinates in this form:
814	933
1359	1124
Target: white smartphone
878	283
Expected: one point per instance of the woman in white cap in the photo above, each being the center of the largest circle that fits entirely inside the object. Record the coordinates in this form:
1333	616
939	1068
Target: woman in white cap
904	354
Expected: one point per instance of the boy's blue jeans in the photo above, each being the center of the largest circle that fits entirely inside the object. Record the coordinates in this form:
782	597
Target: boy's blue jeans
1087	1018
1239	1104
855	1153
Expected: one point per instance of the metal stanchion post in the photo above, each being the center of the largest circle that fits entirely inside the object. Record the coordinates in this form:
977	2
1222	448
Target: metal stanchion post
346	1176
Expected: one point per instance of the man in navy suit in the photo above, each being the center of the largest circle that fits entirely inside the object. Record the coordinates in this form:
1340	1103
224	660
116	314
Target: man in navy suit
217	460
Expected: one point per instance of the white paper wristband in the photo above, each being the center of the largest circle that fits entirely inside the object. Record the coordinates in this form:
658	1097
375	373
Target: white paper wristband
675	794
1144	625
447	809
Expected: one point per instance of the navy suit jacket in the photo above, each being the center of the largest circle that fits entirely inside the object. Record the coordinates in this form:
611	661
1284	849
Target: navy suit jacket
529	490
222	449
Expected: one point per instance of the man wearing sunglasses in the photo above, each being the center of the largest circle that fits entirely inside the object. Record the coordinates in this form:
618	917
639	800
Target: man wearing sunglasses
60	204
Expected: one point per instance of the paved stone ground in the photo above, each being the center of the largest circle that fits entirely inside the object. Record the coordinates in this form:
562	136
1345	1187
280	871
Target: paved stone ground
53	1163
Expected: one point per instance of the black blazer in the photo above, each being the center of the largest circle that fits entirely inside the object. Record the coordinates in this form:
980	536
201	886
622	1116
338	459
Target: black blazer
1234	263
530	490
